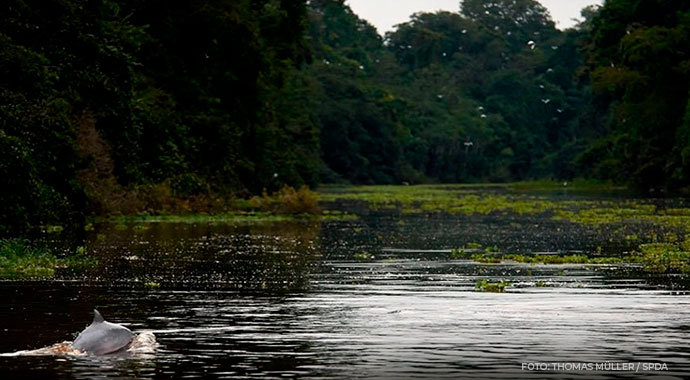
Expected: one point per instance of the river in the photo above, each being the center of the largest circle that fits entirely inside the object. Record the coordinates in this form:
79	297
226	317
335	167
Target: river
376	297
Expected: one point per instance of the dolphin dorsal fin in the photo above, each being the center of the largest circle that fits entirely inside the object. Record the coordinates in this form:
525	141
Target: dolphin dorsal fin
97	317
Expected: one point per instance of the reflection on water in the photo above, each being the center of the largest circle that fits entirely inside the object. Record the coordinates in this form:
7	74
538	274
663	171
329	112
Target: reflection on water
293	300
274	256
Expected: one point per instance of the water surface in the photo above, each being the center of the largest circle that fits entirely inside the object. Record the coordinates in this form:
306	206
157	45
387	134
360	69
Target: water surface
379	297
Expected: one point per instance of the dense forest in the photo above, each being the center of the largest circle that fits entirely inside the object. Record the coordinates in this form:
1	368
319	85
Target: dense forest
110	105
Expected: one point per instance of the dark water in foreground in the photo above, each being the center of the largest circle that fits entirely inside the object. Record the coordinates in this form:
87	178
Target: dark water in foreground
373	298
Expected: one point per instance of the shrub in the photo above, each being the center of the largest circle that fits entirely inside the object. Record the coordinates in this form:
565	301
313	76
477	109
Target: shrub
302	201
288	201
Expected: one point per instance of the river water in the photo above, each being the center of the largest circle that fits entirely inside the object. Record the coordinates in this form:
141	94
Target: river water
378	297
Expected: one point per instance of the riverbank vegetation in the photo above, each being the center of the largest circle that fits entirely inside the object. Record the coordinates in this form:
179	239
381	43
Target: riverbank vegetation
112	107
287	204
239	217
21	259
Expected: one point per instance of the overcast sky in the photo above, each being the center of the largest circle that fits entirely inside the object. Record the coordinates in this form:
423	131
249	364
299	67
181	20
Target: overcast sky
383	14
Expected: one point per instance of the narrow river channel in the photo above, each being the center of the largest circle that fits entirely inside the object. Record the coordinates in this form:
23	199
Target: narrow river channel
376	297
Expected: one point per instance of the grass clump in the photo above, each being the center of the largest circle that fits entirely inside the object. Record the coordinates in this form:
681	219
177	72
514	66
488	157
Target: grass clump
486	258
363	256
465	252
491	287
18	258
459	254
664	257
152	285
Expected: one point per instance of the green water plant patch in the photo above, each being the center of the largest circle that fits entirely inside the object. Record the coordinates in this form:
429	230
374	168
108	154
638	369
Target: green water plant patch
520	199
664	257
654	258
491	287
19	258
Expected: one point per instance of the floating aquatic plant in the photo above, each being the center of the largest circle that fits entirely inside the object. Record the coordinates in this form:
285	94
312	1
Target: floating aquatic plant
664	257
518	198
152	285
362	256
491	287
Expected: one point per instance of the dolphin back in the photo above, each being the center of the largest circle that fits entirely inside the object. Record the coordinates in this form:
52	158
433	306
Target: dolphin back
102	337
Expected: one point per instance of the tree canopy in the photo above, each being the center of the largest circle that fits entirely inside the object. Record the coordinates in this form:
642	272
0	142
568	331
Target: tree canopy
101	100
639	60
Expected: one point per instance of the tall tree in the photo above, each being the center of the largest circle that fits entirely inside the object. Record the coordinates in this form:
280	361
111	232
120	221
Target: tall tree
639	67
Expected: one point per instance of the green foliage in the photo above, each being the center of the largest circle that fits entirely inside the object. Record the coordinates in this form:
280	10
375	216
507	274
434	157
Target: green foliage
447	97
127	106
36	153
20	259
360	136
152	285
655	258
664	257
228	118
489	257
562	259
465	252
58	61
517	198
491	287
453	199
639	69
485	258
102	101
363	256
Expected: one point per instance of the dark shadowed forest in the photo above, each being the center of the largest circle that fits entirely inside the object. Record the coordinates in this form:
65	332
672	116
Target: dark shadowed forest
118	105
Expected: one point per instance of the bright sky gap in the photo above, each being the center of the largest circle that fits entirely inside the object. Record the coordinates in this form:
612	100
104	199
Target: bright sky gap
385	14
